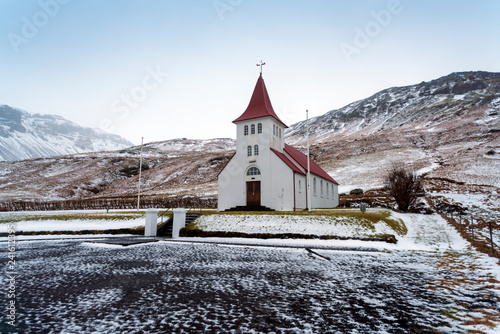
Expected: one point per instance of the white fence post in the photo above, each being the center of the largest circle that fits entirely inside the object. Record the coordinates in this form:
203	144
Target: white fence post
151	223
179	221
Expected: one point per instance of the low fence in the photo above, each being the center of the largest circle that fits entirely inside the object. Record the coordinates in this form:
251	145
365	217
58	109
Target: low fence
109	203
482	233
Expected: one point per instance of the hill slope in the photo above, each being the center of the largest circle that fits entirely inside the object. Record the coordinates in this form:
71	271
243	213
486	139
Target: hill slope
174	167
448	129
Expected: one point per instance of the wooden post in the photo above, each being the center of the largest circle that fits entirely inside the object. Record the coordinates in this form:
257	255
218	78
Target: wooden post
472	226
491	238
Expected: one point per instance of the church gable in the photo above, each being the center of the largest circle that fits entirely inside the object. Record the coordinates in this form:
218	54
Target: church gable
288	162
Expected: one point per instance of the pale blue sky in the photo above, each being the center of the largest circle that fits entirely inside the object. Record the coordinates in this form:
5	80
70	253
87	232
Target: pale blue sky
168	69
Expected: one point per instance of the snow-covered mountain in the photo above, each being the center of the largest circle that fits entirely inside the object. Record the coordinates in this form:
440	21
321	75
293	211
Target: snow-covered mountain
27	136
425	105
448	128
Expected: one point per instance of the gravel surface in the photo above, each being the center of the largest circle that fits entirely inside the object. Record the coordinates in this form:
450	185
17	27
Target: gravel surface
75	286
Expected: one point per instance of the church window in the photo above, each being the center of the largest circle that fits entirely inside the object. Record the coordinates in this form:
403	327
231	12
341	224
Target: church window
259	128
327	191
252	129
253	171
321	187
300	186
249	150
314	187
245	130
256	150
279	132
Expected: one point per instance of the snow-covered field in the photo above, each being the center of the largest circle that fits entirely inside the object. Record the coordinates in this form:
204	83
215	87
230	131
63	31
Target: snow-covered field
341	226
73	225
430	281
78	220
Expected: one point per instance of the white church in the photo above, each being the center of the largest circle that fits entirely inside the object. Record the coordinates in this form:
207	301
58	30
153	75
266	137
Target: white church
267	174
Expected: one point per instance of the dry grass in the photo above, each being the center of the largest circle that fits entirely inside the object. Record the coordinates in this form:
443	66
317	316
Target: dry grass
483	246
463	277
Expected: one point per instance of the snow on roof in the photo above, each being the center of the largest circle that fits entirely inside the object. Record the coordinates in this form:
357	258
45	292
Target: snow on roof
260	104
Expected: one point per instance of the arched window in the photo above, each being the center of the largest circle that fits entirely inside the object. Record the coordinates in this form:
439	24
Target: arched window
252	129
274	130
245	131
279	132
314	187
259	128
327	191
253	171
321	187
249	150
256	150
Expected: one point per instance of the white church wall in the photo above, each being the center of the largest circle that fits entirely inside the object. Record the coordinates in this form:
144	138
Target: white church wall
322	195
281	185
232	180
231	185
300	191
336	195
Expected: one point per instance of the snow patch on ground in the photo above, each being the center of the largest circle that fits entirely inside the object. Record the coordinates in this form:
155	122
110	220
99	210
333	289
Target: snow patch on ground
342	226
73	225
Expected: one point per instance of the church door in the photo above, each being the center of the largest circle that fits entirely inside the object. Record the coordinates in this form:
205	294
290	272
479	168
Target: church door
253	193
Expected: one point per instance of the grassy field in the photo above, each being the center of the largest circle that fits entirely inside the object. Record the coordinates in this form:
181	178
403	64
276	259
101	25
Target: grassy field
374	224
12	217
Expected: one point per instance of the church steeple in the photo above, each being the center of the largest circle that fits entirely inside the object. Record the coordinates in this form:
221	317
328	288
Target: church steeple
260	104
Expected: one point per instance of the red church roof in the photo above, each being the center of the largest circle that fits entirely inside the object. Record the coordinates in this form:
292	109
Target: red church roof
301	159
260	104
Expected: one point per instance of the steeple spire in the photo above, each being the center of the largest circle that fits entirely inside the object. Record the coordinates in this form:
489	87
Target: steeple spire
260	104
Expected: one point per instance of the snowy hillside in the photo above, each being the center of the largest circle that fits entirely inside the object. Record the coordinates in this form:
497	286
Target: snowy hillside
448	129
173	167
27	136
424	105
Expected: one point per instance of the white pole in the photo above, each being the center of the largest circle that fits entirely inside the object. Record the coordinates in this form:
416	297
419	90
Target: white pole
140	174
308	165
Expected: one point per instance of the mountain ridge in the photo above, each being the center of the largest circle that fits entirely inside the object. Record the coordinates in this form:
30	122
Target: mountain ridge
24	135
422	100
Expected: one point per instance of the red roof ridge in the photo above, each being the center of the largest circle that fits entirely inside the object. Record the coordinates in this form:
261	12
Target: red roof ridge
260	104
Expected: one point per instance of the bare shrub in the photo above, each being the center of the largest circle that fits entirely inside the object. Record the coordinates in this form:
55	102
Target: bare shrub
404	185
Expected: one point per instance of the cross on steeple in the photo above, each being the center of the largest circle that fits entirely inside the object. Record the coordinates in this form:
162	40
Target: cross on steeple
261	64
